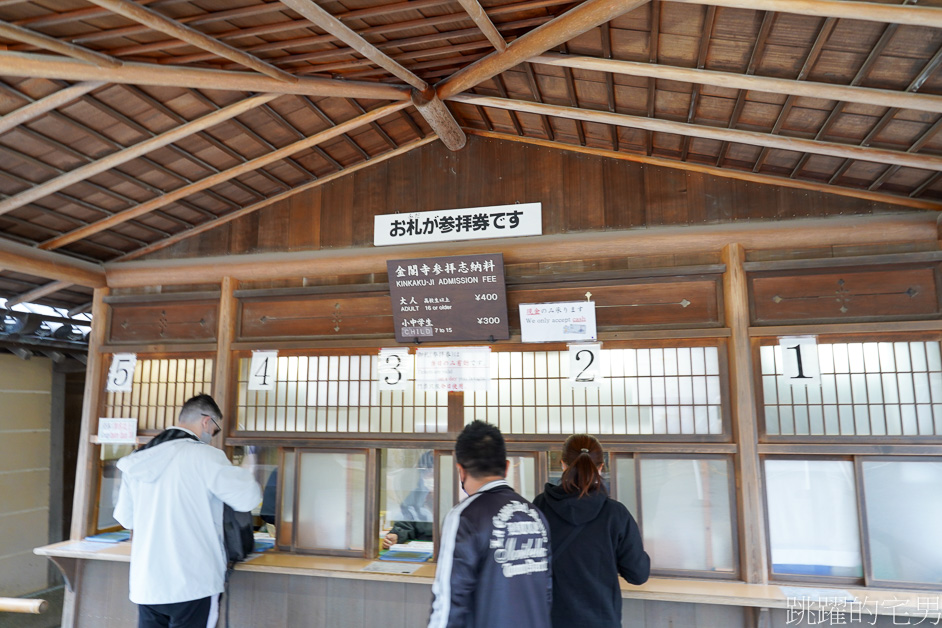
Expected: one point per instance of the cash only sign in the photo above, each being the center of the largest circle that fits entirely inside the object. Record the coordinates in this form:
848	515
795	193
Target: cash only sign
448	299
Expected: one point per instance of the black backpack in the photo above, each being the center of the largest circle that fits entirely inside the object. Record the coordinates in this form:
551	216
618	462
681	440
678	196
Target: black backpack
238	534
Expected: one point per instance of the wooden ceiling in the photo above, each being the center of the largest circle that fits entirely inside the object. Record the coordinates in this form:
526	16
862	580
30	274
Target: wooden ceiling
127	126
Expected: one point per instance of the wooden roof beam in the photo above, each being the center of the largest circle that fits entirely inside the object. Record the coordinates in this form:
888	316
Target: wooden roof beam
163	24
38	293
576	21
29	260
132	152
51	67
44	105
474	9
847	9
225	175
809	89
752	138
45	42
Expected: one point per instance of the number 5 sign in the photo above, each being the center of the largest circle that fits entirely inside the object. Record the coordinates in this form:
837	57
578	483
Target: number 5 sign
584	362
800	360
121	373
263	370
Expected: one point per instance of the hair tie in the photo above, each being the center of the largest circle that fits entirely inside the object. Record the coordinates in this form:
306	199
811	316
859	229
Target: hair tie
584	450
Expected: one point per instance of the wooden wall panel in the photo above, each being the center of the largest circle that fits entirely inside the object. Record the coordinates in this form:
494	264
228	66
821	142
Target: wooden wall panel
182	321
845	295
311	316
578	192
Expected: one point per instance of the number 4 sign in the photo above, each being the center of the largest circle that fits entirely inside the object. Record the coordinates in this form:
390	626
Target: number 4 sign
800	360
121	373
263	370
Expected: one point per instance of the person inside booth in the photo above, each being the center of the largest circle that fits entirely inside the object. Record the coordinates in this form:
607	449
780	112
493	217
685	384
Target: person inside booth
415	520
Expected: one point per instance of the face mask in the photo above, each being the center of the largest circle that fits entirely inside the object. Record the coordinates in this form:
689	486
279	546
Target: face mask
206	437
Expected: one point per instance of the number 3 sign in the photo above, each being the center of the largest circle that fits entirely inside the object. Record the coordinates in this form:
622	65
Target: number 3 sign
121	373
800	360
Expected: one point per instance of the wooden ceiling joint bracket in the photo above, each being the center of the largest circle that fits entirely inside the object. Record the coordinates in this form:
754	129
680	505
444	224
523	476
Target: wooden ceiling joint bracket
430	106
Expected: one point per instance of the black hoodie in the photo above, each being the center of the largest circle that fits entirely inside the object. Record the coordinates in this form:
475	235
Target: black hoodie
586	592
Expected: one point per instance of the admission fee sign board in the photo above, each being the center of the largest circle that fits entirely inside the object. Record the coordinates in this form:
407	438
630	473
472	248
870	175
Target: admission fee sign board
449	298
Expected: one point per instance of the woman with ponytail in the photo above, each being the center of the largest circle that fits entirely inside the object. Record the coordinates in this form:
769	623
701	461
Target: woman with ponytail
594	539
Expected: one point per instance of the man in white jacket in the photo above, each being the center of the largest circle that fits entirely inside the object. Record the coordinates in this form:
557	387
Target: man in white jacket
172	494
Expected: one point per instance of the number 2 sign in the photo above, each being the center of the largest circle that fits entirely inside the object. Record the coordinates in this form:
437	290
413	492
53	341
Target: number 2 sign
263	370
800	360
121	373
584	362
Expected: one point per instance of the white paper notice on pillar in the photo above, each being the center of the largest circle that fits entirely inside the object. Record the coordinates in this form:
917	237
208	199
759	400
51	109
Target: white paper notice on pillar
585	361
117	431
571	321
800	360
121	373
263	370
452	368
395	369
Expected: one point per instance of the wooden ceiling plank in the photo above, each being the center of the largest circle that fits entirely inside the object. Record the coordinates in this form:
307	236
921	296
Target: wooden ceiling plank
729	173
925	185
326	119
915	148
514	118
163	24
573	99
37	293
44	66
132	152
479	17
405	148
53	232
29	260
258	162
609	81
847	9
709	19
78	15
752	138
576	21
374	124
758	50
45	42
824	32
655	32
327	22
44	105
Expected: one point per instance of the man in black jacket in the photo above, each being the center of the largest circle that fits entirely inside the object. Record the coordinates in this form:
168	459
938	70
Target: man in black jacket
494	558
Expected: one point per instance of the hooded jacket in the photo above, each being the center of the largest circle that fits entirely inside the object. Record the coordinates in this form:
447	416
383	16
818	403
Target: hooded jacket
171	497
586	591
493	564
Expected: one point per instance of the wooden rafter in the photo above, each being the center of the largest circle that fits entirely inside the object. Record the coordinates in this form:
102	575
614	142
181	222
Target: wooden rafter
18	33
709	19
133	152
44	66
574	22
848	9
163	24
44	105
474	9
221	177
38	293
29	260
739	175
876	155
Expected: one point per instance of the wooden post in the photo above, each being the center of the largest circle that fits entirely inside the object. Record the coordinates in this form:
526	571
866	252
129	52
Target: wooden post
440	119
752	545
225	335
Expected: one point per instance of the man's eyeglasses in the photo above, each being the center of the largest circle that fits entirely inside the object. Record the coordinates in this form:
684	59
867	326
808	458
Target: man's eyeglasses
218	429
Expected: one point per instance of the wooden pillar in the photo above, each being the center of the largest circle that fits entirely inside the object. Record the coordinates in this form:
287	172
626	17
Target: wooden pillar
225	335
87	458
752	545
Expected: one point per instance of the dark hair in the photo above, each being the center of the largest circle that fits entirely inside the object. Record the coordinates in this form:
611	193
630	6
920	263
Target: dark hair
481	451
197	406
582	454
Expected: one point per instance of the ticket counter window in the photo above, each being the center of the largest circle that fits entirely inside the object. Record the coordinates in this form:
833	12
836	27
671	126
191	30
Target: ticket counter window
331	502
686	514
110	479
904	508
407	499
813	518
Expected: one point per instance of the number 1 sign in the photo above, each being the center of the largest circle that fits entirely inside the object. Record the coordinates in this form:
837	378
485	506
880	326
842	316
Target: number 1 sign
800	360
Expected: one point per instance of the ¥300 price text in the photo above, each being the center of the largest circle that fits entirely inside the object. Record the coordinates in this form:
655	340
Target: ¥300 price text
489	320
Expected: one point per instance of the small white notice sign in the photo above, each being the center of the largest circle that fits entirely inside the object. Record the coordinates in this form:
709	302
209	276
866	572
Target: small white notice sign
554	322
475	223
395	369
117	431
121	373
452	368
800	360
263	370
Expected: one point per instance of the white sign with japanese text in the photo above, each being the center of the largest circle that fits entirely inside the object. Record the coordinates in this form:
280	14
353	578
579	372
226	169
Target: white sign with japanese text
476	223
117	431
452	368
554	322
584	365
121	373
263	370
395	369
800	360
